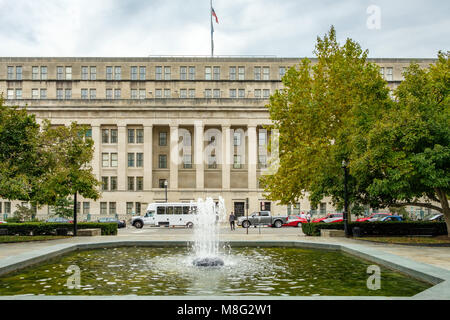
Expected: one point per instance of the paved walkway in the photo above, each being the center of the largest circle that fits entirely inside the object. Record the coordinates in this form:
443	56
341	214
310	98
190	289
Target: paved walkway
436	256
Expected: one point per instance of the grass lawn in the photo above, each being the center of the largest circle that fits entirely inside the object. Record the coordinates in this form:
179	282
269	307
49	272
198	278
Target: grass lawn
10	239
409	240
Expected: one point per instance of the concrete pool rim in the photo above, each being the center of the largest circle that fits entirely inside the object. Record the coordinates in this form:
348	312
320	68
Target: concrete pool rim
438	277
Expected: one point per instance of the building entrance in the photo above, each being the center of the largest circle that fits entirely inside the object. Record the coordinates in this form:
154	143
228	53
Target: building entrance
239	209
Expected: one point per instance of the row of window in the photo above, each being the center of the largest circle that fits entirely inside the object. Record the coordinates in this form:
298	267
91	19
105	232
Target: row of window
138	93
140	73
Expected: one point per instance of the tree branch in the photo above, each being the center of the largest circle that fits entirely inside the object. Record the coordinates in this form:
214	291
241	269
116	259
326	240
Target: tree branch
417	204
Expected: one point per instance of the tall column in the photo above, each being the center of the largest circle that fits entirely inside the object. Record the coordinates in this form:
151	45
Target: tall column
148	157
199	158
226	156
174	157
96	159
122	157
252	157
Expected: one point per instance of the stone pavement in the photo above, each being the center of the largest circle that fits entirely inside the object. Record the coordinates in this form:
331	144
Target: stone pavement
436	256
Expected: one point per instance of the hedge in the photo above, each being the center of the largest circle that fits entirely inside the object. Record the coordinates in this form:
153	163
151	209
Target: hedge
391	228
48	228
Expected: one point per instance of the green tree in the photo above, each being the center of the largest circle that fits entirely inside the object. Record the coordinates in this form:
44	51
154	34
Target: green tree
63	207
321	114
23	213
406	159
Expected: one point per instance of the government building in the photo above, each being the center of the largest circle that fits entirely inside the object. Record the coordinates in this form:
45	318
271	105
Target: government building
165	128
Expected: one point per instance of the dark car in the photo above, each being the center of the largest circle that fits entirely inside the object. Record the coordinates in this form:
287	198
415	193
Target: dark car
120	223
437	217
59	220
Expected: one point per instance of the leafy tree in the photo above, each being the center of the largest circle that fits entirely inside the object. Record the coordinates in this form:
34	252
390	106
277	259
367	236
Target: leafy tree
406	160
23	213
63	207
322	112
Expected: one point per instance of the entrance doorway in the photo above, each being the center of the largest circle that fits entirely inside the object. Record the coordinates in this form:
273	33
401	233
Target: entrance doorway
239	209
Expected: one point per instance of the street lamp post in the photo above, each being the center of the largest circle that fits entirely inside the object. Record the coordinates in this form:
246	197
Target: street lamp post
345	216
165	187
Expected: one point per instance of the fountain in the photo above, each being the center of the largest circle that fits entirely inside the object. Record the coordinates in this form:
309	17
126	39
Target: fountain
206	233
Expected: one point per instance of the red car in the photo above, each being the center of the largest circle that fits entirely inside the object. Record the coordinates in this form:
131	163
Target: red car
295	221
374	215
329	216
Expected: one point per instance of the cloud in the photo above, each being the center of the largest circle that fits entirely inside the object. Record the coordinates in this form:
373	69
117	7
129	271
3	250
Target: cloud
246	27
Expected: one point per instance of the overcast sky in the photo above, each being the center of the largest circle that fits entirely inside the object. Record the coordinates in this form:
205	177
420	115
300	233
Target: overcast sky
286	28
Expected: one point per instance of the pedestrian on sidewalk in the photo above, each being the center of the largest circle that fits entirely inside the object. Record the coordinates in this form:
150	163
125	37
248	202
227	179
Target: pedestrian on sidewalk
232	218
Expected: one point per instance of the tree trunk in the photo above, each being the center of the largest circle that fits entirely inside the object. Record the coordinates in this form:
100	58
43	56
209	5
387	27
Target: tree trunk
445	207
75	215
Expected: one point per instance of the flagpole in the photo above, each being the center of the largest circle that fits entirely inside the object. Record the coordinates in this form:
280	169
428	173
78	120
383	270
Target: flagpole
212	31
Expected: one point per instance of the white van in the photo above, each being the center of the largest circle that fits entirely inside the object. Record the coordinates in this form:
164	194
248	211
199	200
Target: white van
167	214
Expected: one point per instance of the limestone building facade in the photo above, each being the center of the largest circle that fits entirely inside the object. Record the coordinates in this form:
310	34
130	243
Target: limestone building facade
195	123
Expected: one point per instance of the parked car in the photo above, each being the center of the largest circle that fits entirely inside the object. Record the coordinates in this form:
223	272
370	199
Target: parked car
295	221
384	217
120	223
3	222
334	220
373	216
331	215
391	218
262	218
59	220
436	217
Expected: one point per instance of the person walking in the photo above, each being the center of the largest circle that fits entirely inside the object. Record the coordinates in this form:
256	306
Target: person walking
308	217
232	218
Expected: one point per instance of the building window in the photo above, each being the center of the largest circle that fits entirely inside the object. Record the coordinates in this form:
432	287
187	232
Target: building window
163	138
134	73
86	207
191	93
266	93
43	93
35	73
139	160
187	161
266	73
68	94
59	94
105	160
162	161
103	208
237	138
237	162
142	73
117	94
257	93
382	72
84	93
208	93
105	135
35	93
93	73
241	93
216	93
130	183
212	162
18	73
389	74
232	74
281	72
138	208
113	135
130	160
93	94
158	72
262	161
131	136
114	160
139	183
183	93
105	183
183	73
162	183
109	73
134	94
139	135
257	73
10	73
113	184
18	94
68	73
112	208
158	93
129	207
216	71
141	94
109	94
232	93
118	73
167	94
167	73
262	138
84	73
207	73
59	73
241	73
323	208
191	73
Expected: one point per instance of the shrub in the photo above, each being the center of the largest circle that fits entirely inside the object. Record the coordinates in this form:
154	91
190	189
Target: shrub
44	228
391	228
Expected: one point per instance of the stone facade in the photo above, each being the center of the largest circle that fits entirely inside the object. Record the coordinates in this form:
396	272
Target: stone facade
195	122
